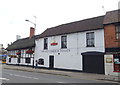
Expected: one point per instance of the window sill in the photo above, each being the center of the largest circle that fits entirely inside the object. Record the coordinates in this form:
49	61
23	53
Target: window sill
116	71
117	40
45	49
64	48
90	46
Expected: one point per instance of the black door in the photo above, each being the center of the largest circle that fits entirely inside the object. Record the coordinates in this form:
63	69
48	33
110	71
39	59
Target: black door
93	63
51	62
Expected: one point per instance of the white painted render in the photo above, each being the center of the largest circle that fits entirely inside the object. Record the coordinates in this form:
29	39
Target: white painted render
71	57
13	60
23	55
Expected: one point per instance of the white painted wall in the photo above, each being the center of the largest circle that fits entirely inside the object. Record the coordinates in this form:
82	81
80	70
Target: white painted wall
13	60
71	57
23	54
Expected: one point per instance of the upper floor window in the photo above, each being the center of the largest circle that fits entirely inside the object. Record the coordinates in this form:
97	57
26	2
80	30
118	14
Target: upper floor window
63	41
45	43
118	32
90	41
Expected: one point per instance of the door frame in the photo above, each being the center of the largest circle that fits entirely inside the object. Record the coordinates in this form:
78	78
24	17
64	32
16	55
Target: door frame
51	61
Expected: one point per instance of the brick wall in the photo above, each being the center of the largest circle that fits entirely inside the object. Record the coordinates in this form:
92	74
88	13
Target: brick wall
32	32
110	36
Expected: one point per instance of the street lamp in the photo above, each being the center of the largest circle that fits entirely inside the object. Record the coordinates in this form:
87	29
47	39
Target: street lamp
32	23
35	29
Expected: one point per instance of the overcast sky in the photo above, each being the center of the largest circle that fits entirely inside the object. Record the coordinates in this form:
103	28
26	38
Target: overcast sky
49	13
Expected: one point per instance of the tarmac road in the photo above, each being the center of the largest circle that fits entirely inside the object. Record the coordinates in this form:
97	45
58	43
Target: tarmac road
15	76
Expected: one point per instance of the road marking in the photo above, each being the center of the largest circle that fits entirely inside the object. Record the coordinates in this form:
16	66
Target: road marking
35	78
4	79
23	76
60	82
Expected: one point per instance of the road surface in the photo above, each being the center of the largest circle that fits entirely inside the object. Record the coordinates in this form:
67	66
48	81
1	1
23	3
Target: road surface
15	76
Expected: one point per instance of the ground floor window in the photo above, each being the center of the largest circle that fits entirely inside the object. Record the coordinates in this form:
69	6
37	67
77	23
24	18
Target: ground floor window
27	60
116	62
41	61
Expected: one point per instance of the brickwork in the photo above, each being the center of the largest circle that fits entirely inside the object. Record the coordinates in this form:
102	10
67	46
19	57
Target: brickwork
32	32
110	36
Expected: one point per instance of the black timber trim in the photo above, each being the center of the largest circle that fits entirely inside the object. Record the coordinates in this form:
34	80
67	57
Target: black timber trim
92	53
117	49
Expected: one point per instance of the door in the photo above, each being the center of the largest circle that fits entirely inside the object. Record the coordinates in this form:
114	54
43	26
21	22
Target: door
51	62
93	64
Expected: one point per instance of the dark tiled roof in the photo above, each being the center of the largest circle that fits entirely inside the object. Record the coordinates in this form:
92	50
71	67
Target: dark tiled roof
79	26
22	43
112	17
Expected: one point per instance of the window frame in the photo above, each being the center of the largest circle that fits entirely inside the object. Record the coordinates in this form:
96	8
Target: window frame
45	43
41	61
64	42
117	32
28	60
116	66
90	38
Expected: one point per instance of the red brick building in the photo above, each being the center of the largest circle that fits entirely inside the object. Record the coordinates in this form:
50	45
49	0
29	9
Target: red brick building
112	41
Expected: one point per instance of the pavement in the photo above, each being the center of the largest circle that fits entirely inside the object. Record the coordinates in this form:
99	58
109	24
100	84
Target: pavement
81	75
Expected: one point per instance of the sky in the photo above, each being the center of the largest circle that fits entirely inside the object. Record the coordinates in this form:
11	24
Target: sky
49	13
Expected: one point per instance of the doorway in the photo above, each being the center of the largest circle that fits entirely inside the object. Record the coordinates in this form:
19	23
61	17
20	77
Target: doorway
93	62
51	61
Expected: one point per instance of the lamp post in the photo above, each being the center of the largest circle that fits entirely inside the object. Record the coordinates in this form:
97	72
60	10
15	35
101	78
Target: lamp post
35	29
32	23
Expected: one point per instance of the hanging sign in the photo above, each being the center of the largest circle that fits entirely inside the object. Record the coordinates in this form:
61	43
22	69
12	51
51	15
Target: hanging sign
108	60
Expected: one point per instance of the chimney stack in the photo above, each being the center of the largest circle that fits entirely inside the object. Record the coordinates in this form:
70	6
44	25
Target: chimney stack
32	32
18	37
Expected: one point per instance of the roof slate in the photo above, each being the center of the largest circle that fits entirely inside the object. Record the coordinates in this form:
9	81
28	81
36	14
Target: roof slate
112	17
78	26
73	27
22	44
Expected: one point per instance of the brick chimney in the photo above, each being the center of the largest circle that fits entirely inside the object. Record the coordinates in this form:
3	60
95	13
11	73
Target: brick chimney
32	32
